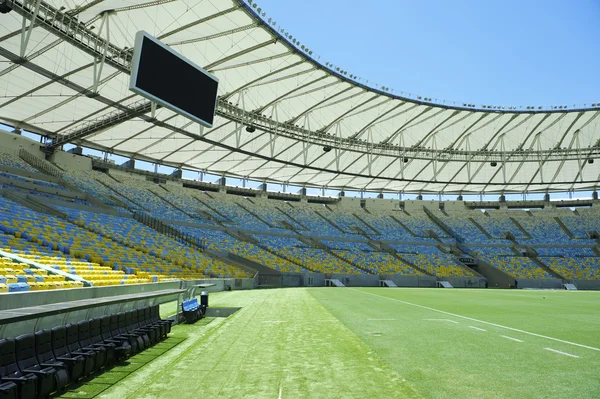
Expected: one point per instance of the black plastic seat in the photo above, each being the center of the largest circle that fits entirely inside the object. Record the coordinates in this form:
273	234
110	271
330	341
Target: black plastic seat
122	347
45	357
10	372
75	349
75	364
8	390
28	363
86	344
116	334
133	328
156	318
136	342
161	328
144	324
97	341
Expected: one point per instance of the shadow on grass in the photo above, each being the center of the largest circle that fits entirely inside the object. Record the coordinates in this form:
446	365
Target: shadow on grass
96	384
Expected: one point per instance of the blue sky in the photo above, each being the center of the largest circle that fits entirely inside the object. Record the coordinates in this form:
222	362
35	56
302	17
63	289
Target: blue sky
528	52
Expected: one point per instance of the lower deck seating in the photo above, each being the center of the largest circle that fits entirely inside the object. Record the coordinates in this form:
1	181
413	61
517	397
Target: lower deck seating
518	267
440	265
581	268
319	260
378	263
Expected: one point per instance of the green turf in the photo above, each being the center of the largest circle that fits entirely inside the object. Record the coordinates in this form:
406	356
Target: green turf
101	381
280	341
451	359
375	343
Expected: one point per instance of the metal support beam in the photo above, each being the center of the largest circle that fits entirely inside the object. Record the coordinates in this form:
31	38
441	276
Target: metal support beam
26	31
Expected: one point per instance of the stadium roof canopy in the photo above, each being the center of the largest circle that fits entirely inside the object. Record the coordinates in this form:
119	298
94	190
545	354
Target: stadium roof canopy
66	77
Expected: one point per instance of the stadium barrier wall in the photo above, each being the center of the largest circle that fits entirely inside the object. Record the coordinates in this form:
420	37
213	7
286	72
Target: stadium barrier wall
466	282
587	284
34	298
12	143
357	280
71	161
414	281
539	283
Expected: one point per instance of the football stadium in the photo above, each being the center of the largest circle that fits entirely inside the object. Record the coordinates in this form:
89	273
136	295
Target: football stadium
194	204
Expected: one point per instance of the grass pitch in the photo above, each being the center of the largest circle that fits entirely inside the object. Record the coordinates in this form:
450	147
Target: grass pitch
381	343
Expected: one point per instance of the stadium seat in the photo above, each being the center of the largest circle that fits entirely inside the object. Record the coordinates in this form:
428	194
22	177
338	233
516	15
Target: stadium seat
127	326
8	390
72	334
156	318
10	372
86	345
122	347
97	341
28	364
115	321
45	357
75	364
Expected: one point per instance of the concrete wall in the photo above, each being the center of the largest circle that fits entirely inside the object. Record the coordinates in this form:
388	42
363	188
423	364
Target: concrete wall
70	161
587	284
353	280
464	282
414	281
539	283
377	204
455	206
432	205
347	203
11	143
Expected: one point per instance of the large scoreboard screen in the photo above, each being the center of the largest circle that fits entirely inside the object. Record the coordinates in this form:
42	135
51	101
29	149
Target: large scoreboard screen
167	78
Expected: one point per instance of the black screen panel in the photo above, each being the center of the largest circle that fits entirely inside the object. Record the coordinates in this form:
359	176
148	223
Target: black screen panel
173	81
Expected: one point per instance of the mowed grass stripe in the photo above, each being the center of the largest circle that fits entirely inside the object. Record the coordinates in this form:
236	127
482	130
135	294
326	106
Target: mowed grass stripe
482	321
310	355
448	360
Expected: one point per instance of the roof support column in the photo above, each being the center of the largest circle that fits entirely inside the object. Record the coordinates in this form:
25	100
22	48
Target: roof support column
26	31
99	65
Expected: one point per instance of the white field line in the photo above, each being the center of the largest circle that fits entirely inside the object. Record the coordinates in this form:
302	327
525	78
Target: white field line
280	390
381	319
562	353
448	320
274	321
477	328
481	321
511	338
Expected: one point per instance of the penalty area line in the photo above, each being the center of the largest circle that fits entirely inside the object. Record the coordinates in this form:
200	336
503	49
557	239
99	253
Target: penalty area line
561	353
480	321
448	320
381	319
511	338
477	328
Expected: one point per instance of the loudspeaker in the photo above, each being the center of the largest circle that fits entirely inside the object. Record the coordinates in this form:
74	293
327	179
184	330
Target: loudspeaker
327	148
405	160
4	7
590	160
494	163
250	129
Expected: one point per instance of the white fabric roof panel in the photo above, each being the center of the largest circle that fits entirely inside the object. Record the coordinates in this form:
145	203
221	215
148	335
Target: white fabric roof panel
379	141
